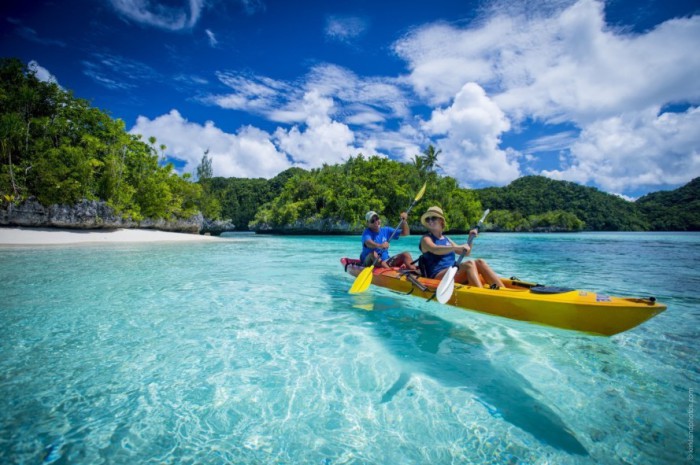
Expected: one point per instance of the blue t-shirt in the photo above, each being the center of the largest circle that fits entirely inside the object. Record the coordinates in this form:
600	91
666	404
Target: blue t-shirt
379	237
435	263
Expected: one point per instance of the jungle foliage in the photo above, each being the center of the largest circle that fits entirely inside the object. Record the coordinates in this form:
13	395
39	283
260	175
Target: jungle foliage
340	195
59	149
677	210
528	198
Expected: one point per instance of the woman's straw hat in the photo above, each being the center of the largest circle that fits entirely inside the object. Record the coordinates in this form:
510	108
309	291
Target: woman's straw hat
433	211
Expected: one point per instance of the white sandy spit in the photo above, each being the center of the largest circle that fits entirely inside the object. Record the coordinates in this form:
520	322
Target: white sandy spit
47	236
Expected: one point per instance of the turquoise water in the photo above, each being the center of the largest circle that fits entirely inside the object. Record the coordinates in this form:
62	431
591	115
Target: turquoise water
250	350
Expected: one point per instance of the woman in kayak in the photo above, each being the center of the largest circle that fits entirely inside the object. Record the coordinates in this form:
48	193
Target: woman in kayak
375	243
439	254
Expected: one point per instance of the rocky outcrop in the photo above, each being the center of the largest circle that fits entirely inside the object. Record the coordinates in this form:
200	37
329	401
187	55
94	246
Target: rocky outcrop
327	226
216	227
88	214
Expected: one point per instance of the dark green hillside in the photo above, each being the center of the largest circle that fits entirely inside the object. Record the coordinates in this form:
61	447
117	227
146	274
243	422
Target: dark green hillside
677	210
240	198
537	195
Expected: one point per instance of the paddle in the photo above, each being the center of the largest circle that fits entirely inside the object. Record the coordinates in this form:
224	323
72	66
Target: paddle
364	279
447	284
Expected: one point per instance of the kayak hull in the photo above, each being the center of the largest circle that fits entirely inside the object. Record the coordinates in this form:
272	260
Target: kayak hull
576	310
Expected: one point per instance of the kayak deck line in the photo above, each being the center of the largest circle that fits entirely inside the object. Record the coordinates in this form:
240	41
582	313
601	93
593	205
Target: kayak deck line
564	308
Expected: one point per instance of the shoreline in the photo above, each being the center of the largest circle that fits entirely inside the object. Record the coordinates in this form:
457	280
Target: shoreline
60	236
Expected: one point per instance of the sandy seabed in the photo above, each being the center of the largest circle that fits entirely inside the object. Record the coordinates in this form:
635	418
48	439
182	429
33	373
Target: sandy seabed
50	236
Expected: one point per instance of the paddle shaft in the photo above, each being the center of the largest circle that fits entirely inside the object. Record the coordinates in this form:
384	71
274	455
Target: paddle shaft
471	238
376	259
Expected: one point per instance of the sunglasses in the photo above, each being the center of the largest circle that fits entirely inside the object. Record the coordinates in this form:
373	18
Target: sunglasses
430	219
374	220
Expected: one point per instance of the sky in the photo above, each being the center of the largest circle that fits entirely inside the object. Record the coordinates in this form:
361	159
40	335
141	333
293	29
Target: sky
602	93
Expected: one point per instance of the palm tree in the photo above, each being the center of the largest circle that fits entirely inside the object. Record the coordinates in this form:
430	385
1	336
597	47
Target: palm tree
430	157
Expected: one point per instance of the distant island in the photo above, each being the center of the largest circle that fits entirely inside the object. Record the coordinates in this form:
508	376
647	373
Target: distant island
65	163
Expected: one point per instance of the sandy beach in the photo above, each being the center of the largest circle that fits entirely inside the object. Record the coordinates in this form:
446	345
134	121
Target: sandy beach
48	236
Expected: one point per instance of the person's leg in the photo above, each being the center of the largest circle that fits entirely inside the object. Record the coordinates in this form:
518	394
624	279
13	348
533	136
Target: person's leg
469	274
489	275
402	259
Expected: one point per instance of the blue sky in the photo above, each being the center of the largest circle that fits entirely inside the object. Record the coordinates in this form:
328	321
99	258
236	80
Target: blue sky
605	94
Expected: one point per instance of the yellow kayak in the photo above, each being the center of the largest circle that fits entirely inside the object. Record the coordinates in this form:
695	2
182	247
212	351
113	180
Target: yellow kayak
572	309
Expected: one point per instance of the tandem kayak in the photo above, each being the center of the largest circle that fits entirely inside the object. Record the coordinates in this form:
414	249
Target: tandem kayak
571	309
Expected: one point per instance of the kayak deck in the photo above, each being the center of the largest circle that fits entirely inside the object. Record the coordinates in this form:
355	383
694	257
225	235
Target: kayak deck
570	309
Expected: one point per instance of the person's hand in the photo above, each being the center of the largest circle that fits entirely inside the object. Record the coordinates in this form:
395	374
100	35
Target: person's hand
384	245
404	216
474	232
464	248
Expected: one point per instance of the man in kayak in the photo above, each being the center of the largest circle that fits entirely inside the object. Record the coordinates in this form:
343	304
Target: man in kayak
439	254
375	243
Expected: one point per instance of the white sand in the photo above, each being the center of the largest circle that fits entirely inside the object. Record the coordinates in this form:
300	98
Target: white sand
47	236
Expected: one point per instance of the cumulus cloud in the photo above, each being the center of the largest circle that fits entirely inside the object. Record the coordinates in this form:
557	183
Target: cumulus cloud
469	134
249	153
322	141
152	13
650	150
252	152
568	66
565	64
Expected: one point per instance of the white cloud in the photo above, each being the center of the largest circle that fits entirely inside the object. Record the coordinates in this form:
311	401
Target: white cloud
344	28
636	149
41	73
256	94
212	38
322	141
252	152
248	153
564	64
155	14
471	129
117	72
359	101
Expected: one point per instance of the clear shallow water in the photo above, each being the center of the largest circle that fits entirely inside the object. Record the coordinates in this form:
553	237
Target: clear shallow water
251	351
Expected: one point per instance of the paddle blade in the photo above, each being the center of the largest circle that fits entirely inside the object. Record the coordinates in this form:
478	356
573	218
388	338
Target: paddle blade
362	282
422	191
447	285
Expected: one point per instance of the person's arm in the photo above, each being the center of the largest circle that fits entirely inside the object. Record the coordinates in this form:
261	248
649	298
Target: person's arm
427	245
405	230
373	245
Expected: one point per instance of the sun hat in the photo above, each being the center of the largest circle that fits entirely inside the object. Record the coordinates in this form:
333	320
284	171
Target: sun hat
432	211
371	214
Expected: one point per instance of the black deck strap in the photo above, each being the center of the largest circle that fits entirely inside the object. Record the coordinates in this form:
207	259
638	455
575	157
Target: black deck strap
415	282
517	282
550	290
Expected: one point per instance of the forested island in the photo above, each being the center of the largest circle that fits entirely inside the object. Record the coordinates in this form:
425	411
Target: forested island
58	153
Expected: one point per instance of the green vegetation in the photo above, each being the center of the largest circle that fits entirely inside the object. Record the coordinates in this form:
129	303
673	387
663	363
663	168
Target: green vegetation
336	198
677	210
537	195
59	149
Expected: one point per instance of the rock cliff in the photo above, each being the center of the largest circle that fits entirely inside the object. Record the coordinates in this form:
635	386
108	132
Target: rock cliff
92	214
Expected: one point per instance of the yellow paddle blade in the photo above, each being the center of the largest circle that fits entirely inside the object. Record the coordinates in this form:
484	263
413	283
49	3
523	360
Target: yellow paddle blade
422	191
362	282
